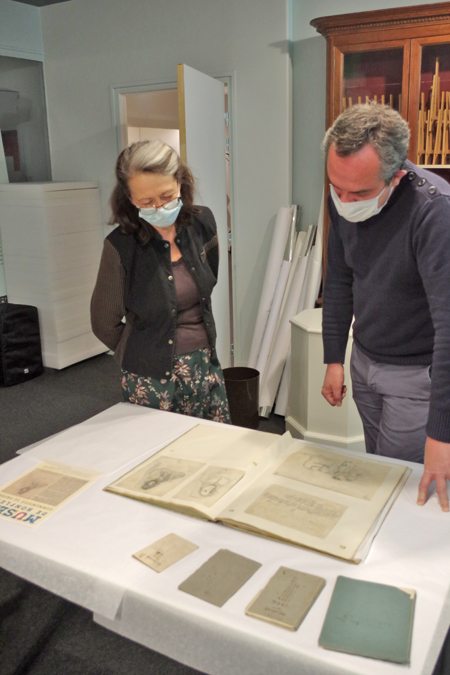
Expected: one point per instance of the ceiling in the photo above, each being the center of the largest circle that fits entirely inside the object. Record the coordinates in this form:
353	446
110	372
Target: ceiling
40	3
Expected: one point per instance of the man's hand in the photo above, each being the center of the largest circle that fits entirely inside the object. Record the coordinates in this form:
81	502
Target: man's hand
437	468
333	389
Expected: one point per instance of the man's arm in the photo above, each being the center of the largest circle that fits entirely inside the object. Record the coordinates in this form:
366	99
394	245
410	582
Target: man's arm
334	389
432	248
337	314
431	243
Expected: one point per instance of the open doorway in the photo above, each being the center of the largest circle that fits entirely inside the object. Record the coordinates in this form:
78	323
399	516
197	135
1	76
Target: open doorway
150	111
153	115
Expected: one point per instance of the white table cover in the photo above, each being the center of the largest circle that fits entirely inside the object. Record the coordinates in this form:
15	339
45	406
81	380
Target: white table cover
83	552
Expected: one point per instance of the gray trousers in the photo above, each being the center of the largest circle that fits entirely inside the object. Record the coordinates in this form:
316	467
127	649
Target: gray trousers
393	403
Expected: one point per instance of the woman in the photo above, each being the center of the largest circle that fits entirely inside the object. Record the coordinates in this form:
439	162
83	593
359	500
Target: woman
158	269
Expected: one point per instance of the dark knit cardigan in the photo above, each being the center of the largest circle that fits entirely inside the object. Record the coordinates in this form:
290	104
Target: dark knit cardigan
136	281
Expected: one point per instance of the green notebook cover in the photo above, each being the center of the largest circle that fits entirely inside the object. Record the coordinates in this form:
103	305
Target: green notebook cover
369	619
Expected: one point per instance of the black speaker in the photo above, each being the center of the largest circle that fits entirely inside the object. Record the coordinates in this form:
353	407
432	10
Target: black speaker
20	344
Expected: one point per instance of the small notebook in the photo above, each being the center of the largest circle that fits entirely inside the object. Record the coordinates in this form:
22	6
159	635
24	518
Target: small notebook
287	598
165	552
369	619
220	577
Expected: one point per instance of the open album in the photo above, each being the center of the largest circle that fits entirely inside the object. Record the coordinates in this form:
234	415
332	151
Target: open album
332	501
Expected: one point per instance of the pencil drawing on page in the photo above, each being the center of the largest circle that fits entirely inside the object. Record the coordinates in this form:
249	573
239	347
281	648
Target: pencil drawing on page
211	485
160	476
347	475
297	510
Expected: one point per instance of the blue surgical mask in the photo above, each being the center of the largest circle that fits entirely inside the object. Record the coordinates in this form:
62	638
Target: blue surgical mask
356	212
163	217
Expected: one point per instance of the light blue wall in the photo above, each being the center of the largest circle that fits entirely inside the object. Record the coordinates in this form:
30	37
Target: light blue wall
20	31
309	95
91	44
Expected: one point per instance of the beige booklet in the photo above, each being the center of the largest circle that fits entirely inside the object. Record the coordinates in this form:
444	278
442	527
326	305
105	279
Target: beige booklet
332	501
165	552
287	598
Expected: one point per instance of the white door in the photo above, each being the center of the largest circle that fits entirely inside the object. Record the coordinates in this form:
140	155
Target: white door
123	121
201	102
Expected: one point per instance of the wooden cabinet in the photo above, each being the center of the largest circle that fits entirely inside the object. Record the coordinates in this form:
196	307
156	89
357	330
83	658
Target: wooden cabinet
400	57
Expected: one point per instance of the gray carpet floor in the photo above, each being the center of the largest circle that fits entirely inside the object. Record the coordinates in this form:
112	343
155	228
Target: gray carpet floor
40	633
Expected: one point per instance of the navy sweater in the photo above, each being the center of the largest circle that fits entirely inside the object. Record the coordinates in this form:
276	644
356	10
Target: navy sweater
392	272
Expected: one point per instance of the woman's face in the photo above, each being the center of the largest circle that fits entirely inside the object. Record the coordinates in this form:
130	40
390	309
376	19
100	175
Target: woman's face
152	189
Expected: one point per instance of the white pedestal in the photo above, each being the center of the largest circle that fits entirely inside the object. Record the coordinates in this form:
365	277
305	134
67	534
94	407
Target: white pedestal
311	418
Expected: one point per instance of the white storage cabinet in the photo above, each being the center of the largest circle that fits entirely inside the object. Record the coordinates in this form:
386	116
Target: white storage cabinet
52	241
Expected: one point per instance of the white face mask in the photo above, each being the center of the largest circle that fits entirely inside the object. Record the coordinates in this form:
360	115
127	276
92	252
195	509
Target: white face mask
162	217
356	212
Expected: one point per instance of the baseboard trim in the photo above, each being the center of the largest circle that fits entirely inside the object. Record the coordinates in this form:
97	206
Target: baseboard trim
350	442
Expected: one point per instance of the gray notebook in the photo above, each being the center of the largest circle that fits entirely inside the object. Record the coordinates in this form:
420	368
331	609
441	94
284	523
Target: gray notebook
220	577
369	619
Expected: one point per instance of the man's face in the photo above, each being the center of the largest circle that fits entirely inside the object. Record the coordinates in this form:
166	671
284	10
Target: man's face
357	177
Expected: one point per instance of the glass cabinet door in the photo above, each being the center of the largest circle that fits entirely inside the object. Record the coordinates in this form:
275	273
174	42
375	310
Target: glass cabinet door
364	80
373	72
430	103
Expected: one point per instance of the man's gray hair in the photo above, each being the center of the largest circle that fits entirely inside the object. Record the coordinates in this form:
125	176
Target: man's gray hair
380	126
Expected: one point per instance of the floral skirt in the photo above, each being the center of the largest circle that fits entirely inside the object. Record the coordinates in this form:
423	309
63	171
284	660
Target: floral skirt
196	388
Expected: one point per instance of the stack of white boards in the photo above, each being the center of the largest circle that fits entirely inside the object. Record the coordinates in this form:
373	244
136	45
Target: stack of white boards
52	241
291	284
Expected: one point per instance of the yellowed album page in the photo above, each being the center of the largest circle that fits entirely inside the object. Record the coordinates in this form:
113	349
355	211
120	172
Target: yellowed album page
327	500
203	470
39	492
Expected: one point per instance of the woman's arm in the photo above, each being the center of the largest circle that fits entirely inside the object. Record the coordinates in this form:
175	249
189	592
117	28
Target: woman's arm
107	304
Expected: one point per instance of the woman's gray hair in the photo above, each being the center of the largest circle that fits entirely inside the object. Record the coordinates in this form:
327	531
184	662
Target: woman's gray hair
149	157
380	126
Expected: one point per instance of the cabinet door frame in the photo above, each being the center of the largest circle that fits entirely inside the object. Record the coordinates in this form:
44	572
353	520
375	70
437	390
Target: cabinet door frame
414	88
338	56
361	31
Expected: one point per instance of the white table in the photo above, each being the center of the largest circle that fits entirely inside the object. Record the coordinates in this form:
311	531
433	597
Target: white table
83	552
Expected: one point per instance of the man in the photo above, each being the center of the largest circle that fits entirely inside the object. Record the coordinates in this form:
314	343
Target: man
388	265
